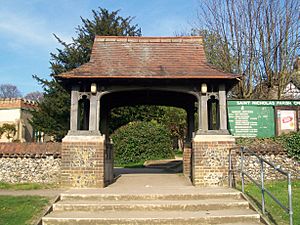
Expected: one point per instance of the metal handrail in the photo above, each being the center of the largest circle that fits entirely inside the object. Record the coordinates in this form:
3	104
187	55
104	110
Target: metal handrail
261	185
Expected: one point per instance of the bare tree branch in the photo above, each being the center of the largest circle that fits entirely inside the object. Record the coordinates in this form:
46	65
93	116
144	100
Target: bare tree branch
256	38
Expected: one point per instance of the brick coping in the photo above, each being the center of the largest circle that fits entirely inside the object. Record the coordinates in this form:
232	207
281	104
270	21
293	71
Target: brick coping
83	138
213	138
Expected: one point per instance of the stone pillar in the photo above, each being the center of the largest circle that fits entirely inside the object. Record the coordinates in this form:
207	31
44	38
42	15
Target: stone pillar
74	108
83	160
210	159
204	116
199	114
222	106
94	112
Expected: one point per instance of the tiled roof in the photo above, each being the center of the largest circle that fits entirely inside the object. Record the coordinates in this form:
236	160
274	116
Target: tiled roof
147	57
17	103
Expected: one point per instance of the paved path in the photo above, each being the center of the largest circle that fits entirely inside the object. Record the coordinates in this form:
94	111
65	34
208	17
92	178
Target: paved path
131	181
149	181
40	192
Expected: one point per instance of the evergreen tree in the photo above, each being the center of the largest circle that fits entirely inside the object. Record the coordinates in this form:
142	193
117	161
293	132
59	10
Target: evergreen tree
120	116
54	111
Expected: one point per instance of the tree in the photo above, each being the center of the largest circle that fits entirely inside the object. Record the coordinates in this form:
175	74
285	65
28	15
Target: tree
139	141
35	96
53	116
9	91
9	130
257	39
171	117
1	131
216	50
175	120
123	115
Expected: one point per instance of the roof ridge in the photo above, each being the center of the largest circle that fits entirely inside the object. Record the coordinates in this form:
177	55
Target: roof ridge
148	39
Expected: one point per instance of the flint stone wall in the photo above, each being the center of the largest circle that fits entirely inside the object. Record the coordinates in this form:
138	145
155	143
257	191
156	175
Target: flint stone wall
41	163
30	162
278	158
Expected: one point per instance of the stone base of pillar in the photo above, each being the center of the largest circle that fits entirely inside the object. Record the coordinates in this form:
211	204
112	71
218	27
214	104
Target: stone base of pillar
187	162
210	159
83	160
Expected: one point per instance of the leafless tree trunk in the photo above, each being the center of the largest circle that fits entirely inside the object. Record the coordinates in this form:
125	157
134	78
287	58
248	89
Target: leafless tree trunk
260	39
9	91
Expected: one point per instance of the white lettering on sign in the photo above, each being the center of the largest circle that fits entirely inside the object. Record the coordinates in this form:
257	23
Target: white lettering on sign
284	103
296	102
243	102
264	103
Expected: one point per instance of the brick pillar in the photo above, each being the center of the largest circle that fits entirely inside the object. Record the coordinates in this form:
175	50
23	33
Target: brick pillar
210	159
187	162
83	160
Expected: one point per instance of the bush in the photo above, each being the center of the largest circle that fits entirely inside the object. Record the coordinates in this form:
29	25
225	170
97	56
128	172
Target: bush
8	129
291	143
140	141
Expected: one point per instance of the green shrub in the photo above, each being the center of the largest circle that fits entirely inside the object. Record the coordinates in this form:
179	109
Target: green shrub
140	141
291	143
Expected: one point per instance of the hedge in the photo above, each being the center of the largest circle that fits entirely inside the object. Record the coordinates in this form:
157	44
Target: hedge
139	141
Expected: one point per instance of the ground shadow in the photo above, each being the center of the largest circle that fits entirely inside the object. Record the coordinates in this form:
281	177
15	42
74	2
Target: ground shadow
152	167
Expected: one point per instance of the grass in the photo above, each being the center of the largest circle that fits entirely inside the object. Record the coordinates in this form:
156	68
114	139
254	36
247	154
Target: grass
26	186
178	153
279	189
130	165
20	210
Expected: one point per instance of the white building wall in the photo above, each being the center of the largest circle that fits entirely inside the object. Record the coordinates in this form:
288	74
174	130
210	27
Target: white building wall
291	91
9	115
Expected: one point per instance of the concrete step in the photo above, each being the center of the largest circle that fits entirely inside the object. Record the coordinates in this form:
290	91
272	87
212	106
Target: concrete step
149	205
243	216
246	223
130	197
152	205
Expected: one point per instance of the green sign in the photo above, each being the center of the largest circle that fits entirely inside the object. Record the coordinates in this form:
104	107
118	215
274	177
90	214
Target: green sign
251	118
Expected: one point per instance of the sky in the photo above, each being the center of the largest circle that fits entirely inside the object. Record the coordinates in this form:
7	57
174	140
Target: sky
27	28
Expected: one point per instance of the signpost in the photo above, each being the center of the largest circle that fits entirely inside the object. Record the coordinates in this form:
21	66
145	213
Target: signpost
257	118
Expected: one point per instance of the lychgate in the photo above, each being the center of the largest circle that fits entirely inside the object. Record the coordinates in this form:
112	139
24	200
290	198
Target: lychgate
122	71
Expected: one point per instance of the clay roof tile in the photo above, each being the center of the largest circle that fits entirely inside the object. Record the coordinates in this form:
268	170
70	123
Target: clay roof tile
147	57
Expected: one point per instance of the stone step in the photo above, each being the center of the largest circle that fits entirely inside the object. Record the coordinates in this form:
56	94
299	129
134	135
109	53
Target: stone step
225	216
149	205
246	223
129	197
